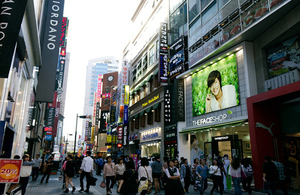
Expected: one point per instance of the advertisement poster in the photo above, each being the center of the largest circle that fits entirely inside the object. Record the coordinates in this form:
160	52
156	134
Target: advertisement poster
10	170
216	87
135	160
283	57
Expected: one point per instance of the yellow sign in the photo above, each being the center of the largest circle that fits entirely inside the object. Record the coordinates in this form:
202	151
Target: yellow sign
93	134
151	100
109	139
126	95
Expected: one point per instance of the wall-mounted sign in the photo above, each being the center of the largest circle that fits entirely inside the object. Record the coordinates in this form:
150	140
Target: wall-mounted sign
170	135
120	132
150	136
125	128
151	100
224	138
10	170
209	120
106	95
86	130
48	128
170	142
126	94
163	61
99	87
104	115
163	38
167	107
125	115
64	30
177	58
180	113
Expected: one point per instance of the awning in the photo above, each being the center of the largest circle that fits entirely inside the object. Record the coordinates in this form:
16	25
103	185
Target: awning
131	118
156	106
148	110
142	113
195	129
138	88
136	116
155	73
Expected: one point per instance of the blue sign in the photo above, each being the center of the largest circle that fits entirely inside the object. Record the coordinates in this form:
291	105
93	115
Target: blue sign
48	137
125	114
150	136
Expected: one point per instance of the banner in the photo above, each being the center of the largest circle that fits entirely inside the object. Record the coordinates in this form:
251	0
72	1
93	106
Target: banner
10	22
126	95
86	130
50	42
10	170
125	114
56	119
60	74
64	31
99	87
93	134
120	133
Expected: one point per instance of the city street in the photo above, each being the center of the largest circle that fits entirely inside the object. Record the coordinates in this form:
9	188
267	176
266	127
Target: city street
55	187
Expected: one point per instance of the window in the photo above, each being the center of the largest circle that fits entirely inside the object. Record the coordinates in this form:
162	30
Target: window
195	25
106	102
134	71
209	12
194	9
155	81
174	4
151	55
106	89
222	3
178	23
145	62
204	3
132	125
157	114
157	49
143	120
150	118
136	123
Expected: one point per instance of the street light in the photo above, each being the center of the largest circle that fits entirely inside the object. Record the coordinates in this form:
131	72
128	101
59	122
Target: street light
82	116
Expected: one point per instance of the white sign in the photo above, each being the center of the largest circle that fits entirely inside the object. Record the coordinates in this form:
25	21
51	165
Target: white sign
209	120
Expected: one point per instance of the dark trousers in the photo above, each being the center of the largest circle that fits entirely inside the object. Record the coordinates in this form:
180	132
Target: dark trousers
187	183
108	180
204	186
87	175
282	185
272	186
144	192
46	173
23	183
247	184
35	173
218	181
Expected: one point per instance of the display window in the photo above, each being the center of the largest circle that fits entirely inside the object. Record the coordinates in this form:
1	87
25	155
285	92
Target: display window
151	149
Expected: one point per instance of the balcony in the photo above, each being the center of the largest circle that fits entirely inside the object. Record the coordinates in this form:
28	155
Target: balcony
282	80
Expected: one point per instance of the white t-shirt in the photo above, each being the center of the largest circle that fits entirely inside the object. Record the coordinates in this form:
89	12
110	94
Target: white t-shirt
229	98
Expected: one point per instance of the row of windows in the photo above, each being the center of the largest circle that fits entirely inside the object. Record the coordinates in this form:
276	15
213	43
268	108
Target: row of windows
141	121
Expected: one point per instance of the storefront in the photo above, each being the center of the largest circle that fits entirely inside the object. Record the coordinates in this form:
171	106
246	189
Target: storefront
150	141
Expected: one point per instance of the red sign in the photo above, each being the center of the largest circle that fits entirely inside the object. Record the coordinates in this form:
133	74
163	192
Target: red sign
99	87
48	133
106	95
120	132
48	128
10	170
119	145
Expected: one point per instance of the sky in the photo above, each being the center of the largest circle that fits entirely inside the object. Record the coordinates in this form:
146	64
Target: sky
96	28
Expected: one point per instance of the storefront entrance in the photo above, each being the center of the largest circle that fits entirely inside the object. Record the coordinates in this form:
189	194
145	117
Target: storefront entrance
220	145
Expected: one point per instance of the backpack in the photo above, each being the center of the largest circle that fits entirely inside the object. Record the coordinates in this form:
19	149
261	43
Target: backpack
100	162
249	171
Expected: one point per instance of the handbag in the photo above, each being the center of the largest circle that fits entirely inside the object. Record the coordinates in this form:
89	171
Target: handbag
145	185
25	171
93	180
102	184
198	182
45	168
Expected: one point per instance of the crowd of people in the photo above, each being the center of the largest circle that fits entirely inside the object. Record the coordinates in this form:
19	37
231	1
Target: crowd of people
174	176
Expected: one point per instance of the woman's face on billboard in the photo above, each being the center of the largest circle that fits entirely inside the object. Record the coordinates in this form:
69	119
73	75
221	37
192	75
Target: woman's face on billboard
195	143
215	87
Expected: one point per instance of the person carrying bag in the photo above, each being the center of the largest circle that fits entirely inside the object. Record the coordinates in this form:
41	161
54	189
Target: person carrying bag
145	177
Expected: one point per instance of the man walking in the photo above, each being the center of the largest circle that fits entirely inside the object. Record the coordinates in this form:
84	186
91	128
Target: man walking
86	169
270	176
281	176
36	167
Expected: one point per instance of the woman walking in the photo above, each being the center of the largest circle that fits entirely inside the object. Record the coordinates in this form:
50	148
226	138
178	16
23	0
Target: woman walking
109	172
48	169
69	173
194	166
201	171
24	178
173	186
130	177
235	171
215	170
120	169
185	174
176	164
156	173
145	174
247	173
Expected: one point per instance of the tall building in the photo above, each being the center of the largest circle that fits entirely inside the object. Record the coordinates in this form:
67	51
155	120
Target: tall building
97	66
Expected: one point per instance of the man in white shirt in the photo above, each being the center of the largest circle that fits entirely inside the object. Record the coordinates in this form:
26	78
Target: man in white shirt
86	169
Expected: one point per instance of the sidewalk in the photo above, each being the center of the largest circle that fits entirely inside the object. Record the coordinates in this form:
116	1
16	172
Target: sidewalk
55	187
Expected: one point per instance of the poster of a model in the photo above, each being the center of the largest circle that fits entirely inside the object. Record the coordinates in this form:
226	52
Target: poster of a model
216	87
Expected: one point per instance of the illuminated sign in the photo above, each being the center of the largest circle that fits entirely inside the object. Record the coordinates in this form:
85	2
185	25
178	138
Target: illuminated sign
106	95
151	100
163	61
209	120
126	95
99	87
120	133
119	145
48	128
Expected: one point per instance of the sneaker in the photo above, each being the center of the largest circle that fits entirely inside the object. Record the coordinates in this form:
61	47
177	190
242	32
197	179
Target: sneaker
81	190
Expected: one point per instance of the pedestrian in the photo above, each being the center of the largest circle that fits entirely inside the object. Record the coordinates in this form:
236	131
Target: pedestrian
109	174
235	171
223	173
63	168
47	169
164	176
24	179
86	170
226	167
126	158
186	174
101	164
69	173
281	176
173	186
36	167
247	173
130	177
176	164
156	167
181	161
145	174
215	170
270	176
120	169
201	171
194	166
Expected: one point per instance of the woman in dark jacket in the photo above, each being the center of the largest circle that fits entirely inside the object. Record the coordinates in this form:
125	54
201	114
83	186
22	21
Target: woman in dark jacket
185	174
130	178
49	164
69	173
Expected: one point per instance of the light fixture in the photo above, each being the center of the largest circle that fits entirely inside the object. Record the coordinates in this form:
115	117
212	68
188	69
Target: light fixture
152	110
211	62
204	66
185	76
246	123
236	132
145	113
228	54
224	127
197	69
227	133
219	58
233	126
237	49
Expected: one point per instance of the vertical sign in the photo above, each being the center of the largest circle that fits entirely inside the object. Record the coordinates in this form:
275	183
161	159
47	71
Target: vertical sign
56	119
93	134
167	103
64	30
99	88
125	115
50	49
97	116
11	18
177	58
86	130
126	95
180	116
120	133
163	50
94	111
125	127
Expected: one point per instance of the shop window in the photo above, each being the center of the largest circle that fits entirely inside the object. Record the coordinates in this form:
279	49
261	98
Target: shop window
150	118
157	115
138	95
137	123
143	120
132	125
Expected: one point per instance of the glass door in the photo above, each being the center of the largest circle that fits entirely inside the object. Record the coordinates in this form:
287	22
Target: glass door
208	152
237	149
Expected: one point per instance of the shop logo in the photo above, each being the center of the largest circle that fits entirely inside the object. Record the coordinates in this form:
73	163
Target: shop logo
209	120
150	136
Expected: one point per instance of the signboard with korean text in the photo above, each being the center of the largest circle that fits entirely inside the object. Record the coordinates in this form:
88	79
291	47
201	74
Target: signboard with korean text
167	105
99	87
10	170
126	95
64	31
125	120
120	132
106	95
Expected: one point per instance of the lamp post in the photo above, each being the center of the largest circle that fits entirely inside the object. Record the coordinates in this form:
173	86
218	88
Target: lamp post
82	116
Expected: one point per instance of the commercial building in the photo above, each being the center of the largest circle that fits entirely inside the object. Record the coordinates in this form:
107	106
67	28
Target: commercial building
243	83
